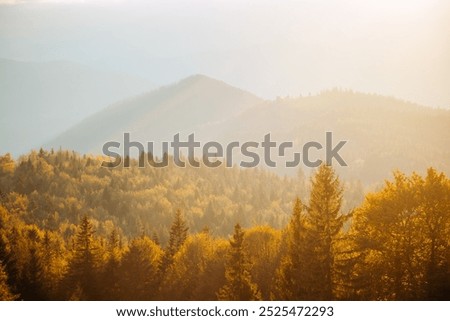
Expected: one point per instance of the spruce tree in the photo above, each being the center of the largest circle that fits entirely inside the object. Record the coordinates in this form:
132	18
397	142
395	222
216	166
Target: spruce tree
178	234
82	268
50	265
32	277
111	269
239	285
289	283
324	222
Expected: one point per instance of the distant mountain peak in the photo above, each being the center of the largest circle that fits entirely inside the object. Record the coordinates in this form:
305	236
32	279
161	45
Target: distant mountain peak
207	81
198	77
183	107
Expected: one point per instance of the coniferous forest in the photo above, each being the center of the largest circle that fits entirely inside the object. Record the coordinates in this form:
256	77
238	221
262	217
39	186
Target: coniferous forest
73	230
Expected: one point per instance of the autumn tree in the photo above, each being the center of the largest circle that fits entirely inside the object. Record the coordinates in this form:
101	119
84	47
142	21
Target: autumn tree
263	248
402	232
139	270
434	208
185	275
239	285
213	277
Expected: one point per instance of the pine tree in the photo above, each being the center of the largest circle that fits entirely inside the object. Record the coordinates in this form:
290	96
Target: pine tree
50	266
239	285
111	271
13	258
324	222
178	235
290	276
32	277
82	268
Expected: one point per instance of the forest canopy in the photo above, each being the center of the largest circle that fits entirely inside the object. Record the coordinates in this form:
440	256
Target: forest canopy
72	230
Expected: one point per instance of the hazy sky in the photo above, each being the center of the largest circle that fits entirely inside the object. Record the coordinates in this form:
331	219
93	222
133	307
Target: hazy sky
399	48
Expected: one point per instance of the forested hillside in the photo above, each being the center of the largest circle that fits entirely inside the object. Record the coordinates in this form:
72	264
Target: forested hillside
182	107
383	134
70	229
55	189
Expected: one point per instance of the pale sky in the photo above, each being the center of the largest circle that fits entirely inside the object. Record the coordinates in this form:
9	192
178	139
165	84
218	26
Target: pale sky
271	48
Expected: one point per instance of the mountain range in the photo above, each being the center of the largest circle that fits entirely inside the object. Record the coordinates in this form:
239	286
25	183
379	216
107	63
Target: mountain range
382	133
184	107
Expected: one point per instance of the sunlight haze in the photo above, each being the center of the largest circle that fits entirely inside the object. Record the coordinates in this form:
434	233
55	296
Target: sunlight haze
398	48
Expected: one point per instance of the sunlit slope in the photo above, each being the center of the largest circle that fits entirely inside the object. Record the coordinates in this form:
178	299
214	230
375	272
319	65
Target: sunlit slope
383	133
158	115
